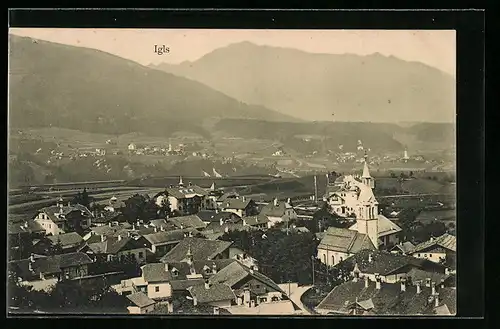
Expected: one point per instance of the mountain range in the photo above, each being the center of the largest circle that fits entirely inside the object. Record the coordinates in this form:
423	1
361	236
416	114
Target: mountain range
325	87
53	84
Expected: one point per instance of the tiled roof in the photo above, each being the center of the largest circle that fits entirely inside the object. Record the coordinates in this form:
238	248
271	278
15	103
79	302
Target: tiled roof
181	285
192	221
201	249
140	299
404	247
158	222
65	210
113	245
203	267
232	203
66	239
215	217
30	226
214	293
419	275
274	211
282	307
155	272
228	195
385	226
345	240
49	265
256	220
385	263
446	241
388	300
236	272
186	192
166	237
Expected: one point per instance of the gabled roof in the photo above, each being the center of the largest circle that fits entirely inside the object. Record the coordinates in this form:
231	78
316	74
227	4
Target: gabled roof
345	240
166	237
366	171
49	264
113	245
446	241
65	210
404	247
236	272
231	203
227	195
388	300
190	221
140	299
385	226
158	222
216	292
385	263
183	269
66	239
30	226
201	249
274	210
215	217
186	192
419	275
155	272
256	220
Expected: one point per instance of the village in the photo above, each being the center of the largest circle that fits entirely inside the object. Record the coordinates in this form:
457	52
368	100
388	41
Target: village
208	250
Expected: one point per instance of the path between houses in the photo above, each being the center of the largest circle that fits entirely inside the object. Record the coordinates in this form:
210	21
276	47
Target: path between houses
297	294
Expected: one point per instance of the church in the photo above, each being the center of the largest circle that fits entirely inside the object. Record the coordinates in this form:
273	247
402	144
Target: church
352	196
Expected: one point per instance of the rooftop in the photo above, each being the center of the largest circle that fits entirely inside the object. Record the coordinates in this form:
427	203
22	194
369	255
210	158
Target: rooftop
213	292
201	249
190	221
232	203
140	299
385	226
446	241
345	240
66	239
186	192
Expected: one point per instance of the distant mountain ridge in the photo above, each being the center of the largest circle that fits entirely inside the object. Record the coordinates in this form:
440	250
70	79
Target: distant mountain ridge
53	84
328	87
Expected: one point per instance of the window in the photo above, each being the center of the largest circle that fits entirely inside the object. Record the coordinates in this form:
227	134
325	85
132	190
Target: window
333	260
430	255
425	255
157	289
418	255
324	259
257	286
141	254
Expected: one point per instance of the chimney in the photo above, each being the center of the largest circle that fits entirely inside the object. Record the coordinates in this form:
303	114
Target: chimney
182	226
275	201
418	283
133	227
119	237
69	204
378	282
403	284
207	284
356	276
226	229
166	267
103	238
155	229
255	267
162	228
428	282
190	184
216	310
252	303
26	224
170	307
367	281
32	258
221	222
289	201
246	296
109	224
433	287
436	300
370	258
217	210
251	270
447	271
442	283
214	268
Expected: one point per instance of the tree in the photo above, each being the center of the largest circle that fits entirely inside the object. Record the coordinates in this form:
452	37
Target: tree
57	248
83	198
411	173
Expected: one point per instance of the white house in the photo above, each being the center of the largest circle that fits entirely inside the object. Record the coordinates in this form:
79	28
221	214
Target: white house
278	212
62	218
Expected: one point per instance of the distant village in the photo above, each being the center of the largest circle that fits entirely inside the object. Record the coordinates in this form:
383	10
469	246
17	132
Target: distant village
187	264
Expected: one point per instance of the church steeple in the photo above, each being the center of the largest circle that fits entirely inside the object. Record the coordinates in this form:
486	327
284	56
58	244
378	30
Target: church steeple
181	184
366	178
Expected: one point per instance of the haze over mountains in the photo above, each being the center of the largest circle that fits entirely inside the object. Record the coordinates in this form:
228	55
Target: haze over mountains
311	86
52	84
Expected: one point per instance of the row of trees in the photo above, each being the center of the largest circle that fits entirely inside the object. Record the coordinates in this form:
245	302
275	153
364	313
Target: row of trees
144	208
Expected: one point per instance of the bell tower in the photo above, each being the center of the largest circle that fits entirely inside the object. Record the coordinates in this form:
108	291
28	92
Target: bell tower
366	178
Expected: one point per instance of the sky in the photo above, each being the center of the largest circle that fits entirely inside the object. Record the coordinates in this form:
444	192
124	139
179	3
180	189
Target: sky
436	48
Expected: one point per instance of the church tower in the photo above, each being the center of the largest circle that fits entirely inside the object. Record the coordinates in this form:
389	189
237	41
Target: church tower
367	218
366	178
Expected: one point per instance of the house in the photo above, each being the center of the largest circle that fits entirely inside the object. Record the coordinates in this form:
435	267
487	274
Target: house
111	229
225	196
189	221
338	244
213	294
21	234
69	242
64	218
119	247
140	303
162	242
114	205
216	216
278	212
363	296
241	206
132	147
43	272
259	221
251	287
186	200
201	249
438	249
212	197
242	257
402	248
388	266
